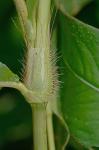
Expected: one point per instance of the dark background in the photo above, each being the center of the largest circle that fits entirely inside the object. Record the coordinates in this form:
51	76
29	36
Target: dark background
15	113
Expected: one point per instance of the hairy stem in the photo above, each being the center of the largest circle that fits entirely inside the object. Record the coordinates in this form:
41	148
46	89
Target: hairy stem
38	75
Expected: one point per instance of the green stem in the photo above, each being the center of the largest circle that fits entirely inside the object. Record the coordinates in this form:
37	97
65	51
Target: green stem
51	142
38	76
43	24
39	126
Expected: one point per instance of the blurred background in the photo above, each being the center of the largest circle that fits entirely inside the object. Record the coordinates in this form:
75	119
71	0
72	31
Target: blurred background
15	113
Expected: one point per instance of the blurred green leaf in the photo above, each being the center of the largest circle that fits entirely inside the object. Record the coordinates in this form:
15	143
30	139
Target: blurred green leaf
6	74
71	6
80	47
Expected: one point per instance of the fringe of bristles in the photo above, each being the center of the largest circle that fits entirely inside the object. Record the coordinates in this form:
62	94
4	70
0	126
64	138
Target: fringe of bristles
53	59
53	76
55	72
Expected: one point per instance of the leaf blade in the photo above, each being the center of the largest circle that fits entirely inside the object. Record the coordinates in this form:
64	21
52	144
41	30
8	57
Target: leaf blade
80	109
82	55
6	74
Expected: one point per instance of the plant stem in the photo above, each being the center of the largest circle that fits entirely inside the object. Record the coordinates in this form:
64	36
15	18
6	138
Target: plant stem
43	24
39	126
38	70
50	131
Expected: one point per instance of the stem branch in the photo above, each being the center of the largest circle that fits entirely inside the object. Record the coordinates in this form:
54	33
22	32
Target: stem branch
51	142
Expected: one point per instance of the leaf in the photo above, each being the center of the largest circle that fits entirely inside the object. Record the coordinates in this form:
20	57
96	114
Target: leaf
80	107
6	74
71	6
80	93
80	47
60	130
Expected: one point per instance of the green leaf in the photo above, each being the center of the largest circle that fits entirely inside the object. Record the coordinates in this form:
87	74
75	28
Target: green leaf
6	74
60	130
80	47
80	107
71	6
80	94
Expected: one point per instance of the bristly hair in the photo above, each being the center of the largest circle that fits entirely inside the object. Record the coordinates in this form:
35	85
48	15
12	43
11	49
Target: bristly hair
55	71
23	62
53	75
